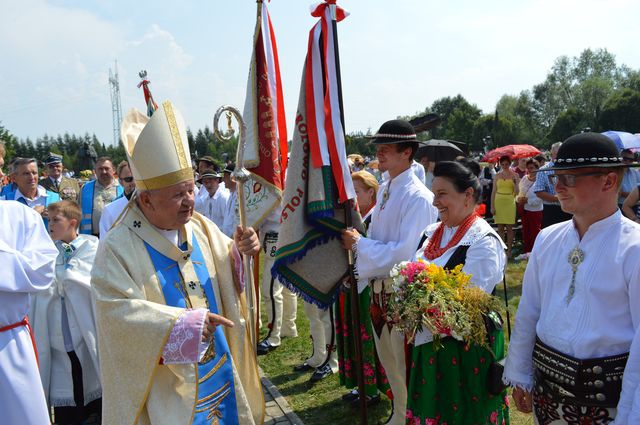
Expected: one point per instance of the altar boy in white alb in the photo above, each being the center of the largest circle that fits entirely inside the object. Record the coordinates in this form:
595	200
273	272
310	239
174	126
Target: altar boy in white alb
27	258
580	305
64	323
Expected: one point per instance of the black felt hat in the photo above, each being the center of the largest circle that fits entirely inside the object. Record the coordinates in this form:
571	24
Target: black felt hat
394	131
229	168
209	173
207	159
587	150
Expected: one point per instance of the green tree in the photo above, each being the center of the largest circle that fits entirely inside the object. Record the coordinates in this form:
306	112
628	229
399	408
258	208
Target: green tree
458	118
621	112
568	123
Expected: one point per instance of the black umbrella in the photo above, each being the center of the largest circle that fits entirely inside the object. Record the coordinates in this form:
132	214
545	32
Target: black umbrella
438	150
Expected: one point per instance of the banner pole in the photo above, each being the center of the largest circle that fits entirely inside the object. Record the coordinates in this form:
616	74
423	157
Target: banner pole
353	285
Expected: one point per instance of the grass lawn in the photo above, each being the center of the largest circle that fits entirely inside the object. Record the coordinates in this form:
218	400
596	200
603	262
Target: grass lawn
320	404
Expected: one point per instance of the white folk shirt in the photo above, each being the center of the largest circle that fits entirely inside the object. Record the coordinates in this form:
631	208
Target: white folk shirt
231	218
396	226
27	260
485	260
213	207
602	317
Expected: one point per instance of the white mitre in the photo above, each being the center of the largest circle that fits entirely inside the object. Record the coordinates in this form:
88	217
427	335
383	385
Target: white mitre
157	147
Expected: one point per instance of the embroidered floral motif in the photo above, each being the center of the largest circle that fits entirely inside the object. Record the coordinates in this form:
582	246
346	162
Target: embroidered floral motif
184	340
545	409
585	415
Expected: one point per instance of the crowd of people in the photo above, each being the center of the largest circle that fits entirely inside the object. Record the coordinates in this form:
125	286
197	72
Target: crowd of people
122	296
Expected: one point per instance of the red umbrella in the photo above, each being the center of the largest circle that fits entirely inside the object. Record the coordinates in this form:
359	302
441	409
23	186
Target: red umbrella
512	151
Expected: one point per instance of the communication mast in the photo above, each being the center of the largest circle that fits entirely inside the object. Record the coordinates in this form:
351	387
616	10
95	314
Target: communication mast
116	107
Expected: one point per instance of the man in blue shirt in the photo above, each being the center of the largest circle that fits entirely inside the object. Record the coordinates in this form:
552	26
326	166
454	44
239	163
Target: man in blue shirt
543	188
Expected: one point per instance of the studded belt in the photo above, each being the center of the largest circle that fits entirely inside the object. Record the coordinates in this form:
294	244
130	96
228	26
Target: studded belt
592	382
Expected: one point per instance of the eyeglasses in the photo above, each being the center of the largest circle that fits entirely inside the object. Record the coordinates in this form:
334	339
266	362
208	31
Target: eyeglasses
569	180
127	179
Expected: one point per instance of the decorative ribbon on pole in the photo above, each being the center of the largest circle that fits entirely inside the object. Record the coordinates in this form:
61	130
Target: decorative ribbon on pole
324	98
148	97
241	175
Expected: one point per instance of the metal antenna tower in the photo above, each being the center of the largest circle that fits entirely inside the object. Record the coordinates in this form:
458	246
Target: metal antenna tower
116	107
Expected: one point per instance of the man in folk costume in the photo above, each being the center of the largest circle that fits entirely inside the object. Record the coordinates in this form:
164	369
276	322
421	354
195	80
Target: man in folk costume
403	211
580	305
27	258
164	278
97	194
231	217
213	204
280	303
66	187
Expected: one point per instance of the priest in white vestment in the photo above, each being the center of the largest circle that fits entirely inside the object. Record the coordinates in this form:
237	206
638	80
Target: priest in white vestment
163	279
27	260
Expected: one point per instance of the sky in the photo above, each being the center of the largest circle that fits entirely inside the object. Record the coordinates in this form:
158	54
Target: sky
397	57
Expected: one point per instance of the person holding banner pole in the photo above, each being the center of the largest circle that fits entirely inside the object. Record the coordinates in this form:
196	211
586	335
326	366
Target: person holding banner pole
403	210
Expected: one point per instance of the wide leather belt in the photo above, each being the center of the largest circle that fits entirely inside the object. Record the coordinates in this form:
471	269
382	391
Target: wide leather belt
591	382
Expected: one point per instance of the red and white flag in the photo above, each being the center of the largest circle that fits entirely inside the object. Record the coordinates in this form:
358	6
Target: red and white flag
265	154
310	259
326	134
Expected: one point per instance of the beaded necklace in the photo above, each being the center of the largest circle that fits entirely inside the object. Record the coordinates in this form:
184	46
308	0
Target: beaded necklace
433	249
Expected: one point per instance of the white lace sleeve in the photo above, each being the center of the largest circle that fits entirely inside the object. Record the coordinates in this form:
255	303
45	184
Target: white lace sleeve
183	345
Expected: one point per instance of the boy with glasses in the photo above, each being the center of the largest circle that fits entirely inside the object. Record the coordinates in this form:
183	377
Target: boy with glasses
580	305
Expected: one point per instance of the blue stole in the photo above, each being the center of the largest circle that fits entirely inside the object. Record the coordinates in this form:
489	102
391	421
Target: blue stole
86	200
216	390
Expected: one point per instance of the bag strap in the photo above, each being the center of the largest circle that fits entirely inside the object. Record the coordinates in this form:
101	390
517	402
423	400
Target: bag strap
506	304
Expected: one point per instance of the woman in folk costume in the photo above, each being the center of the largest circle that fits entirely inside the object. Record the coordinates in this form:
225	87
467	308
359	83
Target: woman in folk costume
448	384
366	187
164	277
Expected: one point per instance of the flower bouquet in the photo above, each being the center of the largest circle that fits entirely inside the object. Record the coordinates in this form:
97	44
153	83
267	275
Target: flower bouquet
444	302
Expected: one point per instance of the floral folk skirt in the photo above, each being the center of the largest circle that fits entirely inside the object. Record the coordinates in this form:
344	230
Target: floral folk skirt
448	385
374	377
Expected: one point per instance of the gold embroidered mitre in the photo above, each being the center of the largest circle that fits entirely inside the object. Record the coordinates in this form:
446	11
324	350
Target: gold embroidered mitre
157	147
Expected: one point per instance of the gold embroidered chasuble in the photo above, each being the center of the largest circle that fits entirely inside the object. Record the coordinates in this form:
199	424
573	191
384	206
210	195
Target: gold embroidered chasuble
134	324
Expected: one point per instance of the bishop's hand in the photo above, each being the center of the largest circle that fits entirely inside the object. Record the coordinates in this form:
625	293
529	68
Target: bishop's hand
210	322
246	241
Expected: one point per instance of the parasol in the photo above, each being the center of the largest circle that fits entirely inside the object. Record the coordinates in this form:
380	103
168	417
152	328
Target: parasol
512	151
623	140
